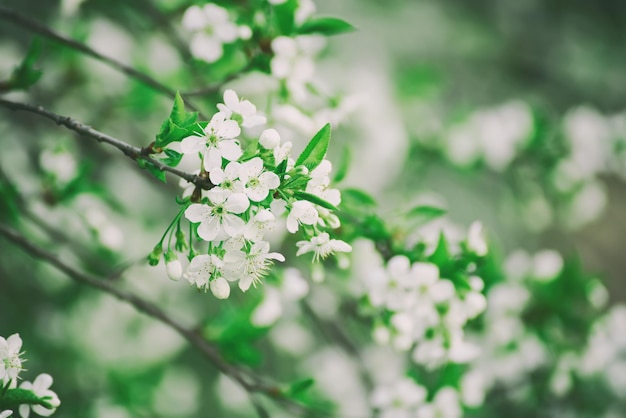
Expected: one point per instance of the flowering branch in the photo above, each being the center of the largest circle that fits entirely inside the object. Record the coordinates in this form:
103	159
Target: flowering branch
131	151
34	26
251	383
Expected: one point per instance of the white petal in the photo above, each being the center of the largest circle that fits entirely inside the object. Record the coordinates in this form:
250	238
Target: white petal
24	411
42	383
206	48
212	159
209	230
231	100
292	223
230	149
228	129
245	282
197	212
269	180
193	144
237	203
269	139
257	193
216	176
233	225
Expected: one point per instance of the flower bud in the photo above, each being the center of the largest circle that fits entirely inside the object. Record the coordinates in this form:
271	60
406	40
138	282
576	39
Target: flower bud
302	170
172	266
220	288
269	139
476	240
155	255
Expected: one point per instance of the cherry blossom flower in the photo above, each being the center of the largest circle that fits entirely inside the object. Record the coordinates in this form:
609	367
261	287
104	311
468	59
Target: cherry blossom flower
249	267
320	181
10	360
398	399
322	246
302	212
212	28
264	220
202	269
220	218
41	388
244	109
227	179
216	142
257	182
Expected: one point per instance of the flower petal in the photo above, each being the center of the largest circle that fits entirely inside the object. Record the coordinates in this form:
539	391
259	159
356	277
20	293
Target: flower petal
230	149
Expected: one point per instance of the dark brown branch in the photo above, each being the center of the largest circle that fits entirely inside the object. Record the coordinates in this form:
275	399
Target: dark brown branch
34	26
131	151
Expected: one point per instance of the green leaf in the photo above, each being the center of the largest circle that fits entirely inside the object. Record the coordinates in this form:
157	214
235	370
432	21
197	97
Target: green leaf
173	157
357	197
316	149
343	166
155	171
17	396
426	213
179	125
326	26
300	386
284	15
441	256
314	199
25	74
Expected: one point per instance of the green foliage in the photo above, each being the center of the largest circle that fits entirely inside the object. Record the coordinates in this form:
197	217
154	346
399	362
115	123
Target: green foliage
315	150
325	26
178	125
12	398
155	171
425	213
284	16
314	199
25	74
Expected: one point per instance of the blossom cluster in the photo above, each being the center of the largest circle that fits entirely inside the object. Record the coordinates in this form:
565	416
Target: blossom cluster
252	190
45	401
426	312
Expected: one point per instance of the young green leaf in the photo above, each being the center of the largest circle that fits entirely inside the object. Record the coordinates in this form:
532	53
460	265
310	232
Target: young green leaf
284	15
172	157
316	149
314	199
179	125
343	166
357	197
143	163
300	386
25	74
426	213
326	26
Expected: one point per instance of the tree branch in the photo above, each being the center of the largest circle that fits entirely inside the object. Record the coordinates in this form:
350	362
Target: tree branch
131	151
252	383
34	26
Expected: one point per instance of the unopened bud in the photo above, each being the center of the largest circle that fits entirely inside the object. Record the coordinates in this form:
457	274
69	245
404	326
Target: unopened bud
302	170
220	288
155	255
269	139
172	266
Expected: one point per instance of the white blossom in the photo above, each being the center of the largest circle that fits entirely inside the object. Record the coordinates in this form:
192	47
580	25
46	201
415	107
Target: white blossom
257	182
10	360
262	221
322	246
320	181
399	398
212	28
219	220
249	267
244	108
202	269
476	241
216	142
302	212
41	388
227	179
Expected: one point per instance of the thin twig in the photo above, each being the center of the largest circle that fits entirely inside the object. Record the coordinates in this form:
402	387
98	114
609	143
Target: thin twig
16	18
133	152
251	384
